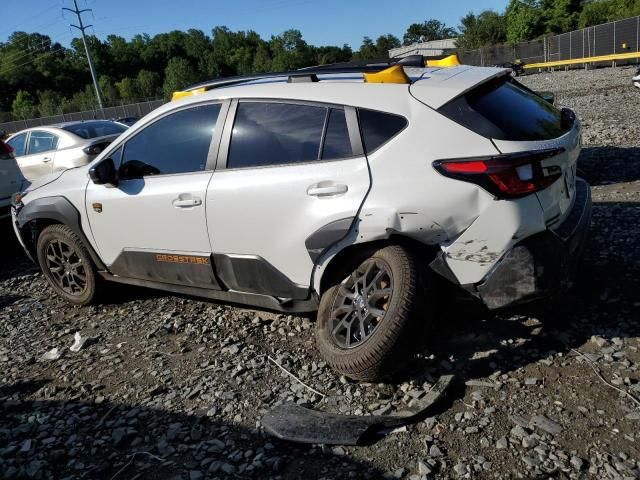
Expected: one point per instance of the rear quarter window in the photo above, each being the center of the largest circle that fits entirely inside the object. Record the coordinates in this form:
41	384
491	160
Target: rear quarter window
379	127
503	109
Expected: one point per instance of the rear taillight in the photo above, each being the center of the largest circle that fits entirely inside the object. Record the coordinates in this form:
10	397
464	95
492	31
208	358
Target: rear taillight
6	151
96	148
505	176
92	149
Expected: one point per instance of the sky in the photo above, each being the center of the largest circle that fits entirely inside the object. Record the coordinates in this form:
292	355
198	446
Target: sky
322	22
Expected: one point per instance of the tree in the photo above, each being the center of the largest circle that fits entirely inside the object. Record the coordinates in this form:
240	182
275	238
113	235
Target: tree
595	13
427	31
148	84
23	107
384	43
560	16
128	89
379	49
523	20
289	51
178	74
110	93
367	49
49	103
487	28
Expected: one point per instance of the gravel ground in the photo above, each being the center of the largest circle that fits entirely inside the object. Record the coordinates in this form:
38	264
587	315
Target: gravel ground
172	387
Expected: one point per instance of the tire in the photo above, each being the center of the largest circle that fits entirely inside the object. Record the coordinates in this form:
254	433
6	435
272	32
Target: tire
66	264
389	343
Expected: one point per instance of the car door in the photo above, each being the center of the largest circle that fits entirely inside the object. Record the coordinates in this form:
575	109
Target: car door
152	225
40	152
10	177
288	174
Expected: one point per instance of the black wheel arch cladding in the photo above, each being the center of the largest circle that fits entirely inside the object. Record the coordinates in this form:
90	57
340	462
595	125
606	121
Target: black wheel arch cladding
57	209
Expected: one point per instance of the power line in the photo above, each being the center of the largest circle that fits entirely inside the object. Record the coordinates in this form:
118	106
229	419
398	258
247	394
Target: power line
31	61
15	56
55	5
82	28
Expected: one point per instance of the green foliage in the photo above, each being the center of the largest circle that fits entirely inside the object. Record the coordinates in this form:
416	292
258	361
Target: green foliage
23	106
427	31
177	75
41	76
595	13
49	103
378	50
476	31
109	91
148	84
523	18
560	16
128	89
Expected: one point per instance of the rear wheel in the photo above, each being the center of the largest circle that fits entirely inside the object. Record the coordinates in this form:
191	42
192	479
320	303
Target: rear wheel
367	323
66	264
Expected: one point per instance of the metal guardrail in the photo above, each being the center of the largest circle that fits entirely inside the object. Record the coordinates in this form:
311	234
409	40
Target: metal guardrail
621	37
586	60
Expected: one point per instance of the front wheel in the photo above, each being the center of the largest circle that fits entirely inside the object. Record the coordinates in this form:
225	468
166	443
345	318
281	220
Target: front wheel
367	323
66	264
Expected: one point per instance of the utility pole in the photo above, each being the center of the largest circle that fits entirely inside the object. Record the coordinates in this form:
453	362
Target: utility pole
82	28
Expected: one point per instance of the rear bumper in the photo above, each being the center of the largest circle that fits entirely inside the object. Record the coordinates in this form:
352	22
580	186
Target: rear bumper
541	264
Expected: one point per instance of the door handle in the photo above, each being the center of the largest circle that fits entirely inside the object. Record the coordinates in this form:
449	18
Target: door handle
187	201
320	190
46	159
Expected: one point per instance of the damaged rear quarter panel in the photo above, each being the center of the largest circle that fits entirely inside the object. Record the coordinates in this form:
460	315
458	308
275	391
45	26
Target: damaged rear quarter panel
505	222
408	197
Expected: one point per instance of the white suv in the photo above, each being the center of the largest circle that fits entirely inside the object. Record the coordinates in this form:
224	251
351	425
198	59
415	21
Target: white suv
350	191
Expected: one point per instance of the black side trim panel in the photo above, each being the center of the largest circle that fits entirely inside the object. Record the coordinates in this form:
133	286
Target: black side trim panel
188	270
515	279
253	274
259	301
326	236
439	265
60	210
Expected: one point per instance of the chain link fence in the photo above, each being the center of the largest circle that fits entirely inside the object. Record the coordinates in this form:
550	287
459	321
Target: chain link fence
622	36
108	113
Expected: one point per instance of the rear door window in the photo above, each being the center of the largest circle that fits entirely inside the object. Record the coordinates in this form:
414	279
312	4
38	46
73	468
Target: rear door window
18	144
503	109
40	142
379	127
94	129
266	134
337	143
177	143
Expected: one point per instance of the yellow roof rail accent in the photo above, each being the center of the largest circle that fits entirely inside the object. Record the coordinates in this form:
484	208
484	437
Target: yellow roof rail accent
393	74
450	61
188	93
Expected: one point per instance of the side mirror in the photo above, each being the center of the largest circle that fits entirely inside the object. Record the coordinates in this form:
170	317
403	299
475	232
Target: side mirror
104	173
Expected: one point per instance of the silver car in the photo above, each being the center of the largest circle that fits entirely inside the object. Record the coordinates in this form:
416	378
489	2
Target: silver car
42	150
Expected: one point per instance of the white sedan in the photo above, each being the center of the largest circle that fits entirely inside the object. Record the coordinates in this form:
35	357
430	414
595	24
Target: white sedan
43	150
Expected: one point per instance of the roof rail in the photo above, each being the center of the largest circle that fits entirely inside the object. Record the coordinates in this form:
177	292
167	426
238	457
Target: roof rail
346	67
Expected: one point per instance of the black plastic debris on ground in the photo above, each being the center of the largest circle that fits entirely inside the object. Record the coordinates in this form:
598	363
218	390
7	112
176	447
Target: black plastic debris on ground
292	422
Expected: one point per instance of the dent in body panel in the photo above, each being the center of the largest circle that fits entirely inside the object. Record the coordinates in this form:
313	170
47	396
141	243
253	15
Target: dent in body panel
476	251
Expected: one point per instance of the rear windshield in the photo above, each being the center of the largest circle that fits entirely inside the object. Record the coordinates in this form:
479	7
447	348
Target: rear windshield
503	109
95	129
